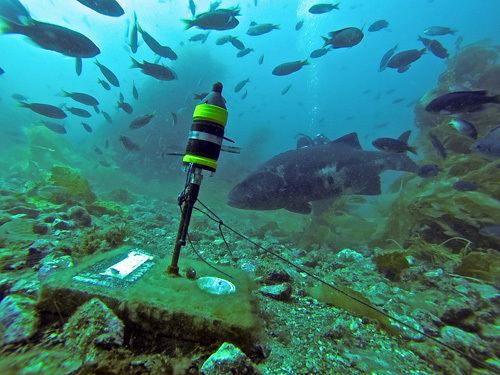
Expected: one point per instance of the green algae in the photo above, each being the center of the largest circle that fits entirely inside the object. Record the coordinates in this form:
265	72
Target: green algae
104	207
76	188
391	264
340	300
483	266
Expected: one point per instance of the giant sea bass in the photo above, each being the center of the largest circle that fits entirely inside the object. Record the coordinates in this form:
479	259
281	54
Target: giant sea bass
15	19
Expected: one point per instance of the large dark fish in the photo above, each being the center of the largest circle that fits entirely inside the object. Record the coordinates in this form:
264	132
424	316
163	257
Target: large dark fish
133	35
200	96
323	8
223	40
82	98
399	145
261	29
52	126
78	66
244	52
435	47
344	38
403	60
386	57
127	108
318	53
108	74
192	7
218	19
128	144
46	110
489	145
293	179
241	84
157	71
107	117
87	127
237	43
104	84
438	146
15	19
378	25
201	37
438	30
156	47
135	93
286	89
2	71
465	127
289	67
106	7
80	112
141	121
174	117
461	101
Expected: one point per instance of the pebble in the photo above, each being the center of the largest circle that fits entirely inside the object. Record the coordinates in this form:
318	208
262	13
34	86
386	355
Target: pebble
228	360
280	292
18	319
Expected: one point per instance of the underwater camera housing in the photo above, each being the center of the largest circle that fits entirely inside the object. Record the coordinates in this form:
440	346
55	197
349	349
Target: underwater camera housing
206	136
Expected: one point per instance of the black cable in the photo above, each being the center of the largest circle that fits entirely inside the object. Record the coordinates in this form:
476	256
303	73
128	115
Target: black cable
204	260
219	221
317	278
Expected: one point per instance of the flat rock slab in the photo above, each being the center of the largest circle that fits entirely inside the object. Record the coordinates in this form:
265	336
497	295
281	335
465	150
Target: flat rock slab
150	300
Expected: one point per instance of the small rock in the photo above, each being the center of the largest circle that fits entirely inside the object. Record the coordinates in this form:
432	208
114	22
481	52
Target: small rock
465	341
37	251
408	333
28	285
280	292
18	319
40	228
61	224
91	327
228	360
51	263
348	256
80	215
277	276
48	219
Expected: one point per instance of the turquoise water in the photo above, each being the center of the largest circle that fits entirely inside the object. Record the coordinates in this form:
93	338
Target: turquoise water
424	248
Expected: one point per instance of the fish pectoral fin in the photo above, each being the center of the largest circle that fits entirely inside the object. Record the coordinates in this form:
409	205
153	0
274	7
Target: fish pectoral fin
362	182
303	208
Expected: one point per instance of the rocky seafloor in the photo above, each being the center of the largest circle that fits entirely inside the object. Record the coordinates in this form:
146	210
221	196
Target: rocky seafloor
305	329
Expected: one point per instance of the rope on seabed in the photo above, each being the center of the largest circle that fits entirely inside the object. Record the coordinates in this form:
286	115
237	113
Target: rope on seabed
213	216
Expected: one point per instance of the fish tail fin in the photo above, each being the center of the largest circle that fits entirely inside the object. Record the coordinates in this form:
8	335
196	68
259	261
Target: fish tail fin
9	27
97	62
135	63
305	62
413	150
188	24
64	93
22	104
336	6
277	27
496	99
326	41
